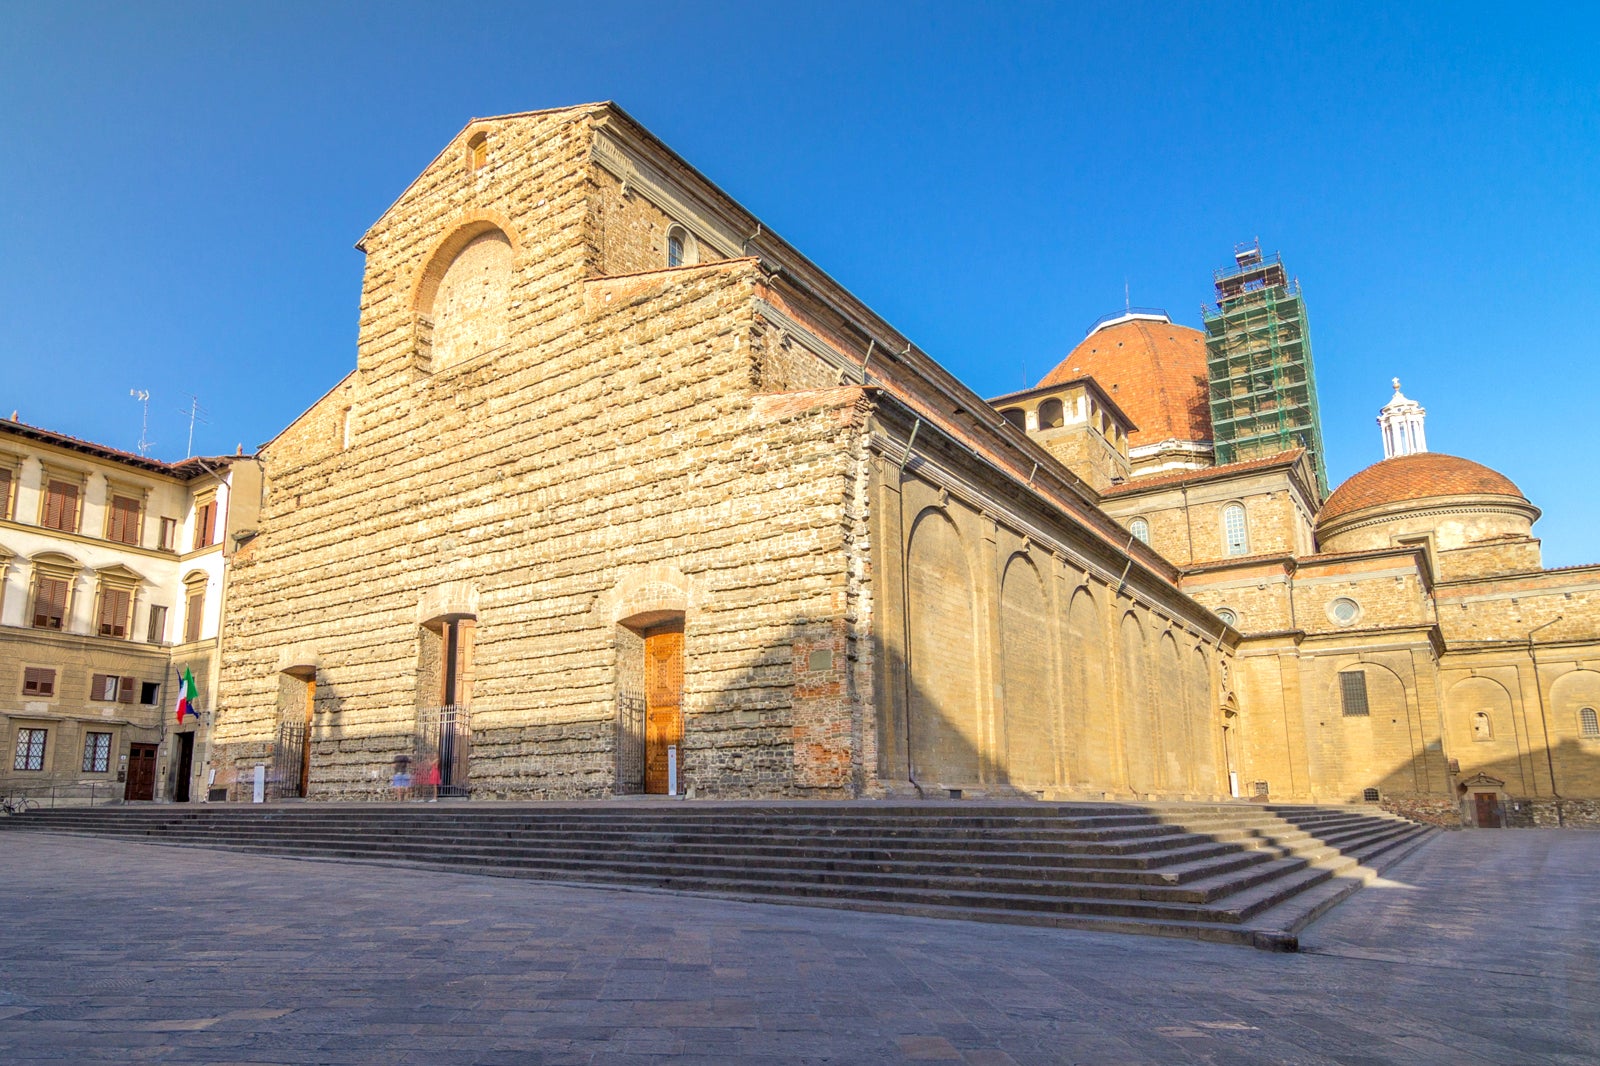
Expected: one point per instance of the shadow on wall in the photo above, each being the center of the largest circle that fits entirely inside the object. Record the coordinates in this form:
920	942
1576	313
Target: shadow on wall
796	716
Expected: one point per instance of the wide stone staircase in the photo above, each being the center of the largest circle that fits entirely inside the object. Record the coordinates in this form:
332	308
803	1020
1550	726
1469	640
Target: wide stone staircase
1224	872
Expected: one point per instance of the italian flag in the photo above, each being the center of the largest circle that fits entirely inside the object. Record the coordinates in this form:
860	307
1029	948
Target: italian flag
187	694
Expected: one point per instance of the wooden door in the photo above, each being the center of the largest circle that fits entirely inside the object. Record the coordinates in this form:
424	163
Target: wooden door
185	759
663	703
305	740
141	773
1488	810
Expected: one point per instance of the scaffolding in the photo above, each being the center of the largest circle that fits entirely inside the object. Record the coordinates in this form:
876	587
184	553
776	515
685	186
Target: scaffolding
1263	388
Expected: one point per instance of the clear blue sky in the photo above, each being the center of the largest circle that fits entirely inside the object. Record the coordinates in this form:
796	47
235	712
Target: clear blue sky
181	186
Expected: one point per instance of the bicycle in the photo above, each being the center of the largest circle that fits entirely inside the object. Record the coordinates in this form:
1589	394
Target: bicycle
17	804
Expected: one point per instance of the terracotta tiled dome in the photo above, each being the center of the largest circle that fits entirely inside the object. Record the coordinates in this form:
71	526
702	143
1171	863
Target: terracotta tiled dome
1420	476
1153	369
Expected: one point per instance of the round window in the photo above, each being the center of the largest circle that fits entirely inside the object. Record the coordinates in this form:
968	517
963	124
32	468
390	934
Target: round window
1229	615
1344	610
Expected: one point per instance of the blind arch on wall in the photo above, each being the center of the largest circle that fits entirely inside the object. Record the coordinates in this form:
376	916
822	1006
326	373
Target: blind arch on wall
1026	676
943	719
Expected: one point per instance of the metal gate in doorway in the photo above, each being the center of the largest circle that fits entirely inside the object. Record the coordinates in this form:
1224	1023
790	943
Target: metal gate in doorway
630	743
288	762
444	750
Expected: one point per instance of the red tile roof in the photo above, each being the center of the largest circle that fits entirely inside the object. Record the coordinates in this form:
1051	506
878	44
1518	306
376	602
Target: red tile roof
1415	477
184	470
1155	370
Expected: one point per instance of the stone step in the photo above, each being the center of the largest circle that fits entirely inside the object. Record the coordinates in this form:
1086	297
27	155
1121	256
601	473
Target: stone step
1210	871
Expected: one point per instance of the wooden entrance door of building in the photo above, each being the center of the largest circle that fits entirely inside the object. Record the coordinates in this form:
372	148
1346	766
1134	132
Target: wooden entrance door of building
663	705
1488	809
305	739
185	770
141	772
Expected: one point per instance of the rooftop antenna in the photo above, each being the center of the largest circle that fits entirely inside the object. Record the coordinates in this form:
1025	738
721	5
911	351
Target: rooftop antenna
1127	300
196	413
143	396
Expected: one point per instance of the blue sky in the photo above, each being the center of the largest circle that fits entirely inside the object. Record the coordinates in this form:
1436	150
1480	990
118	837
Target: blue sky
181	187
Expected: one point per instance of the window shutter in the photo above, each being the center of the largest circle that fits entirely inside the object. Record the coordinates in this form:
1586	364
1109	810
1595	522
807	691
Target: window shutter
61	506
126	689
158	625
38	681
5	493
113	612
124	520
49	603
191	624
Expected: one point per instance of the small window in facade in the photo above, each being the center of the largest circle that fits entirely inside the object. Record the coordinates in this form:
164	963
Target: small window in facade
1140	530
477	150
1588	722
30	749
169	534
1370	795
96	753
1016	416
38	681
60	506
205	522
675	248
1344	610
157	631
1050	415
1481	729
122	521
1353	693
115	607
1235	536
5	492
1228	616
49	602
149	693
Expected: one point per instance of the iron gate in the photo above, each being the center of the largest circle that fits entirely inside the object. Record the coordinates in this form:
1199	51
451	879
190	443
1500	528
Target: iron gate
630	743
444	749
288	761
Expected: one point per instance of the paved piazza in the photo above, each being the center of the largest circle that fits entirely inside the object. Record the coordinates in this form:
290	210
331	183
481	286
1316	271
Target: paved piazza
1481	948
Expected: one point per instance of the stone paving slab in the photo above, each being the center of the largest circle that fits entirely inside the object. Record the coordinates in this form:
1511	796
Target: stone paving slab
1479	948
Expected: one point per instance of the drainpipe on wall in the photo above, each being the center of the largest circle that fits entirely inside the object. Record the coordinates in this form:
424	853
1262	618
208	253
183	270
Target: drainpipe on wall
905	598
1544	723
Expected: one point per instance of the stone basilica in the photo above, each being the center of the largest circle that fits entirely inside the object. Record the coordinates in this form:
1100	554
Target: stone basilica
623	494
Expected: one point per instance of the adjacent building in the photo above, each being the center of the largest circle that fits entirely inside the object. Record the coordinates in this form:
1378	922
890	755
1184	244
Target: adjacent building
112	573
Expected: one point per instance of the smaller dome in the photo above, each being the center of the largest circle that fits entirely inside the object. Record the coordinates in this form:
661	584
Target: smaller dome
1419	476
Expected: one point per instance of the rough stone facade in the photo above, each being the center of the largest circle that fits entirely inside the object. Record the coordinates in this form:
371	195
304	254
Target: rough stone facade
555	435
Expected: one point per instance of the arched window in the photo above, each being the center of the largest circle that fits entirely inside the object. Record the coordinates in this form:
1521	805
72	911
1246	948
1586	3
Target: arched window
1050	414
1140	530
1588	723
1016	416
678	247
1235	537
1481	729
